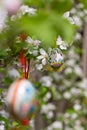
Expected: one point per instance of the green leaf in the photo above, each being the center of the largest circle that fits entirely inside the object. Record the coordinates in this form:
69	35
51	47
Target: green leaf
55	5
47	26
3	53
7	81
59	5
6	121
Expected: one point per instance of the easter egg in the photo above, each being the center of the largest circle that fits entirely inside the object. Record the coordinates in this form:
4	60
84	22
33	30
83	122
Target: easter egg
21	100
12	6
56	58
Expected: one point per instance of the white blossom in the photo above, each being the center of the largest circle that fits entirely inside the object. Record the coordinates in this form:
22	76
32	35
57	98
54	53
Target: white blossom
73	11
42	57
74	115
13	73
29	40
39	66
33	42
78	127
57	76
78	70
35	52
4	113
75	91
77	107
77	122
85	11
62	44
66	115
43	52
70	62
68	128
50	114
80	5
77	20
57	125
49	128
72	55
31	123
46	81
47	96
26	9
2	127
48	107
83	84
67	16
67	82
67	95
36	42
78	36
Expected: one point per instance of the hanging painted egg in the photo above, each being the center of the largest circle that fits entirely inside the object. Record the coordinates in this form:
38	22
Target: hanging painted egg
56	58
12	6
21	100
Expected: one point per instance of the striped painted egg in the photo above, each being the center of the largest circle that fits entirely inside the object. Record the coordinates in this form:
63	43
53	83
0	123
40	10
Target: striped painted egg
21	99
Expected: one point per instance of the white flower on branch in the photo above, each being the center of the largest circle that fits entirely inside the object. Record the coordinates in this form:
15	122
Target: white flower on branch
2	127
24	9
74	115
78	70
13	73
67	16
33	42
67	95
57	125
42	58
48	107
77	107
62	44
83	84
50	114
47	96
39	66
77	20
46	81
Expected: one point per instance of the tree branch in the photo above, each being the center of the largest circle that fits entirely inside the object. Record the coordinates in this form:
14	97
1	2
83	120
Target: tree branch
84	57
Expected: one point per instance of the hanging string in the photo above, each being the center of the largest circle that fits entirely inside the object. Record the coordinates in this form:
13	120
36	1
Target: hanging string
25	64
27	69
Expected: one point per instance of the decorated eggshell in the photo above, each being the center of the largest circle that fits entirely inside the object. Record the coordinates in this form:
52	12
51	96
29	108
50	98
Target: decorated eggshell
12	6
56	58
21	99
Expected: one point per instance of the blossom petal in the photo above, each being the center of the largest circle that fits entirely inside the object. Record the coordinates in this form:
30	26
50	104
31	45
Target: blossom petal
63	47
44	61
43	52
40	57
59	41
39	66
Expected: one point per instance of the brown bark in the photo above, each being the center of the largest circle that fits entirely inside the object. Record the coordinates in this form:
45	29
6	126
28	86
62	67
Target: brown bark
39	124
84	58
